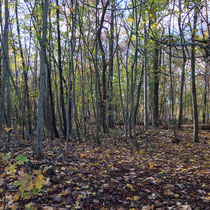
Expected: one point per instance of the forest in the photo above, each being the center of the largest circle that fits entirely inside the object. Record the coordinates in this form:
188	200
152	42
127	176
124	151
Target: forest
104	104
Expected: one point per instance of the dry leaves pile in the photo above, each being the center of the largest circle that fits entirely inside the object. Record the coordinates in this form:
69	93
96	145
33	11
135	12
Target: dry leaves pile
114	175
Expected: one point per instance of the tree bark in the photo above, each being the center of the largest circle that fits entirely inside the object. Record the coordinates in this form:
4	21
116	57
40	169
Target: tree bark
111	66
42	79
145	79
195	109
5	64
155	86
180	119
104	96
60	70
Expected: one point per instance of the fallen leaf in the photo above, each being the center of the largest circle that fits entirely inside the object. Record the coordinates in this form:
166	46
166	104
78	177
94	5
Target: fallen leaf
131	187
136	198
206	198
1	181
151	165
96	202
47	208
184	207
16	197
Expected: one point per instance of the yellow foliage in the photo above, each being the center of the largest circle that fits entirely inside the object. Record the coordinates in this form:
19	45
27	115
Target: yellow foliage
151	165
131	187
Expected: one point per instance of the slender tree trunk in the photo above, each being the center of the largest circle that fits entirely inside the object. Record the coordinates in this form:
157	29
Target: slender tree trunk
84	116
205	95
9	109
195	109
119	73
35	87
49	78
137	18
164	93
91	92
0	68
111	66
145	80
97	119
138	93
5	64
155	86
51	102
72	73
60	69
104	96
127	90
0	49
42	79
180	120
175	140
207	85
208	63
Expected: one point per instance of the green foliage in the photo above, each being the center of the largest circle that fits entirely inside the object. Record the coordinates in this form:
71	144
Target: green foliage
21	159
29	184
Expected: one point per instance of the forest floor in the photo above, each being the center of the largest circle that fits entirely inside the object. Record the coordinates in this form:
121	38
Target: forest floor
115	175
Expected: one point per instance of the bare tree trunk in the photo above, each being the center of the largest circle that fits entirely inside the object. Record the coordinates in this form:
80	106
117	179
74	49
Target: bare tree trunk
205	94
138	92
127	90
42	79
137	18
111	66
195	109
97	119
71	73
0	68
118	71
52	107
145	79
155	86
0	49
180	120
84	115
175	140
51	101
104	96
5	64
9	109
60	70
164	93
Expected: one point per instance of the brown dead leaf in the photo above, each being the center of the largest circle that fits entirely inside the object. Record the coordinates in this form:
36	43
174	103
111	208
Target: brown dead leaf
64	192
47	208
147	208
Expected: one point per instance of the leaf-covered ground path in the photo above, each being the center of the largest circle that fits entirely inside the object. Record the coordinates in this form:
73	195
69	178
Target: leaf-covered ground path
114	175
